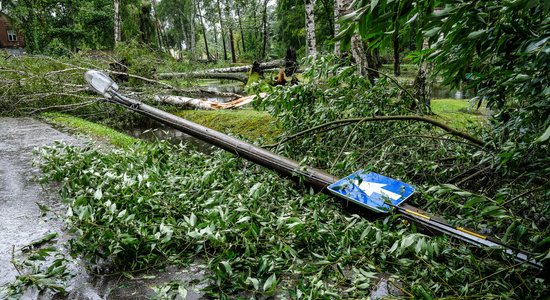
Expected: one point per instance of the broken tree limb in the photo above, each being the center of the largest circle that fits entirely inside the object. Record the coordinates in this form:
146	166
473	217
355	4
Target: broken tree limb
239	69
206	75
195	91
344	122
205	104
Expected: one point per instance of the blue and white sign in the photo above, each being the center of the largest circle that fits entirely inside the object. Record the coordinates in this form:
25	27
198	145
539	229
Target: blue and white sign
372	190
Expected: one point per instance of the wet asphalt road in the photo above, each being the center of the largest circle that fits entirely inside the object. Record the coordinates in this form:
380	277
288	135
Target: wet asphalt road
20	216
22	221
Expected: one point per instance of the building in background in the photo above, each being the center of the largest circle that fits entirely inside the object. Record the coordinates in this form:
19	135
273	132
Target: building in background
11	39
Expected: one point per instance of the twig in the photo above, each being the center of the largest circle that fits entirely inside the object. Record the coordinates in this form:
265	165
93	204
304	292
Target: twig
13	259
495	273
463	173
81	104
344	122
395	82
474	175
523	194
346	143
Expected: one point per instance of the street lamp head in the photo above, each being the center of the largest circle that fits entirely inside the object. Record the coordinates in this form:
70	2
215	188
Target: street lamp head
100	82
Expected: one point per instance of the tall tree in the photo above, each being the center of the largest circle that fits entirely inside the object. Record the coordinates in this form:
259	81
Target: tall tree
199	14
222	30
230	25
264	31
311	47
241	27
118	32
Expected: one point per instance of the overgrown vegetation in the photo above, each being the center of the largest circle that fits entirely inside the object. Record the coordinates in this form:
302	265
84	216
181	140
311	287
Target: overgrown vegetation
259	234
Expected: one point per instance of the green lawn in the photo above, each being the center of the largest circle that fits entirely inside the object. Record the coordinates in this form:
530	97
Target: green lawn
246	122
95	130
458	114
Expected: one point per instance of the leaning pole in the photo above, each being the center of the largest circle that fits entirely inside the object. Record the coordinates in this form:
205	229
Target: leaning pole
316	178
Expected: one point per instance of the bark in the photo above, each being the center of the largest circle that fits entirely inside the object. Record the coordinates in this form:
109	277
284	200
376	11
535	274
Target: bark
359	54
238	69
396	61
339	11
291	64
199	13
192	41
423	88
310	29
223	31
117	22
241	27
196	103
215	27
230	25
232	46
206	75
264	26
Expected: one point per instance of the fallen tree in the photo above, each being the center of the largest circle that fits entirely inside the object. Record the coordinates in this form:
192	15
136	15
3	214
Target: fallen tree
206	75
238	69
196	103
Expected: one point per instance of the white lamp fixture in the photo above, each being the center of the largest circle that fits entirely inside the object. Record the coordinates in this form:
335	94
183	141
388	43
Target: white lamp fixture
101	83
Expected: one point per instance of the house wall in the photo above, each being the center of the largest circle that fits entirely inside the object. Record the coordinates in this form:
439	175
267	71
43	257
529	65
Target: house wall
4	27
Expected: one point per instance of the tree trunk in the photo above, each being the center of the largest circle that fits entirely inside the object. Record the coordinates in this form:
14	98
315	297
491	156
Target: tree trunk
223	31
239	69
423	88
359	54
215	26
396	61
192	32
339	11
196	103
199	13
264	17
232	46
117	22
230	25
206	75
310	29
396	28
241	27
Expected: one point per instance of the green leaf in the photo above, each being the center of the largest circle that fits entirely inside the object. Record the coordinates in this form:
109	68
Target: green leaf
536	45
373	4
476	34
227	267
98	194
254	282
432	32
270	282
545	136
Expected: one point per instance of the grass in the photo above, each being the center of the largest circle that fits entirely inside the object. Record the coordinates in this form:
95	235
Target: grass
458	114
92	129
248	123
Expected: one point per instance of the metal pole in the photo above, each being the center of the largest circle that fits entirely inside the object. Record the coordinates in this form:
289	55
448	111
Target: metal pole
291	168
283	165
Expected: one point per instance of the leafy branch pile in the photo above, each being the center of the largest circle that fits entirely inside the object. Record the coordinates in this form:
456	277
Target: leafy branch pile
467	183
156	204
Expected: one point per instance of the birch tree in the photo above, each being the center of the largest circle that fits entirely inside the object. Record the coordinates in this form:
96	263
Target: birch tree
310	29
118	35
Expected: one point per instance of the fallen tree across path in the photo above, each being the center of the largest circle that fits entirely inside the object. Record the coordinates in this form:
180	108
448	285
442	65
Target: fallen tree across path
205	104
